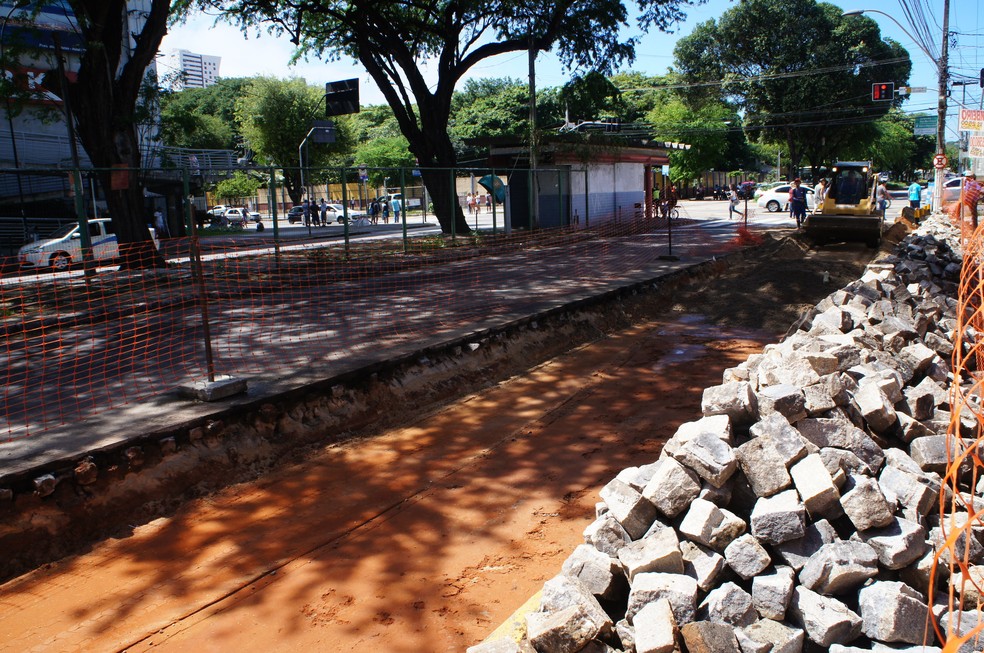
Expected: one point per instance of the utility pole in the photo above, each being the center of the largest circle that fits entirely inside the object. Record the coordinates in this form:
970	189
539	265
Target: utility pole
944	79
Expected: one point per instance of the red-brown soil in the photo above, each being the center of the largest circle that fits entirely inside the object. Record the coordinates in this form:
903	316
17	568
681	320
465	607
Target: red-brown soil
425	537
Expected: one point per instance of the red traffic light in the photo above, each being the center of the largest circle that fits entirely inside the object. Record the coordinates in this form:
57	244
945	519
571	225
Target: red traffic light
883	91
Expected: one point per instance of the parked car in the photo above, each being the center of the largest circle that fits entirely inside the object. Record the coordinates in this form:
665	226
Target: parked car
232	217
339	212
951	191
295	214
63	248
777	199
761	188
218	210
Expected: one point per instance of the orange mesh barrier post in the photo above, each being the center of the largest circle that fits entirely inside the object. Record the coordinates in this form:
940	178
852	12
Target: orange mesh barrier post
959	513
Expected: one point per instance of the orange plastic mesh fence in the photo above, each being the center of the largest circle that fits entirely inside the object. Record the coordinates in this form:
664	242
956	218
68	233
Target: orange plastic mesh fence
302	305
959	507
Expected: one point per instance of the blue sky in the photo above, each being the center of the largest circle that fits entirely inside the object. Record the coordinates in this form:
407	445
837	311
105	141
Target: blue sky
244	57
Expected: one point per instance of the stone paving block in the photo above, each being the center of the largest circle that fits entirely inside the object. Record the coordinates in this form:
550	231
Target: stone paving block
780	518
817	399
790	444
736	400
701	564
823	363
961	623
865	505
919	403
635	513
763	466
659	551
719	496
771	592
842	434
711	526
815	486
597	571
719	425
876	408
727	604
679	590
839	567
779	637
910	490
898	544
786	399
910	429
567	630
606	535
825	620
712	459
930	452
746	556
561	592
655	628
707	637
797	552
672	487
892	612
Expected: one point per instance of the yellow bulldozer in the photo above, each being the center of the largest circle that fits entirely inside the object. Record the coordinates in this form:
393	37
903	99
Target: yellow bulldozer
849	212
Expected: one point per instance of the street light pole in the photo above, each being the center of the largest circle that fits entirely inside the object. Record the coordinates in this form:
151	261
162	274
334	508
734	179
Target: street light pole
943	79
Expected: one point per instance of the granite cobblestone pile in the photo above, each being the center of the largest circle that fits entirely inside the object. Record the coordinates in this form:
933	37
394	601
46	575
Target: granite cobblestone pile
800	512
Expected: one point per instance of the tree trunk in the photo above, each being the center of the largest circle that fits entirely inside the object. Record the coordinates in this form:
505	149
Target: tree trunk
441	189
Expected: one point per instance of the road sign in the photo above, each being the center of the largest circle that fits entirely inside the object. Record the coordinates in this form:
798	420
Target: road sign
939	161
925	125
363	174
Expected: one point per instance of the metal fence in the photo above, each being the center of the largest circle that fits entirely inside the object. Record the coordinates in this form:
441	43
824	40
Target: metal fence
276	299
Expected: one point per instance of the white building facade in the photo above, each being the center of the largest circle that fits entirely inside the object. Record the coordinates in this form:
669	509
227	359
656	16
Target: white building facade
194	70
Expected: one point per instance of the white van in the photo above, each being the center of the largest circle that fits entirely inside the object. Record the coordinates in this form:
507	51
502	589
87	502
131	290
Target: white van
64	247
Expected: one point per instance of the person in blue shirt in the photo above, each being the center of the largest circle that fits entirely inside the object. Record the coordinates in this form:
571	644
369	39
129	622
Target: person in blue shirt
915	194
797	202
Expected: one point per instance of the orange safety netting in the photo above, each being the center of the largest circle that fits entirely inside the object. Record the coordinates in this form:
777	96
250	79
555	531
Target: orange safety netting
302	302
960	507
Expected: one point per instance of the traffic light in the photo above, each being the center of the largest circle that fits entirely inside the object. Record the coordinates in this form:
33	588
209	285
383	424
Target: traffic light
982	77
883	91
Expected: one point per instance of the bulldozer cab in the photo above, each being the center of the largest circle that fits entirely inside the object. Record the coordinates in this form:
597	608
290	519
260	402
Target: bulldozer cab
849	191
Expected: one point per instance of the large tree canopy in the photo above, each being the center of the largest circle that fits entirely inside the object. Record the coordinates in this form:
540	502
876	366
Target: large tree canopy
800	71
275	116
203	118
393	39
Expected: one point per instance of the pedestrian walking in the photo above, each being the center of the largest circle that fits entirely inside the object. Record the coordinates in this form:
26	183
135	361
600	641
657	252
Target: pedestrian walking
396	211
915	194
797	201
488	202
160	224
881	196
733	202
324	212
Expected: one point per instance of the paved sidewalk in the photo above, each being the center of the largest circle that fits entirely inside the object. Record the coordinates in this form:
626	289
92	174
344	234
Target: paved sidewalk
516	286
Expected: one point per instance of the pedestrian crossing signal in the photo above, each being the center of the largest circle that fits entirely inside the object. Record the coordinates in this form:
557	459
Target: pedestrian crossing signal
883	91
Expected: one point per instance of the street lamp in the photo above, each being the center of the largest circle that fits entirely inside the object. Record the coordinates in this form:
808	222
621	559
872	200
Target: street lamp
10	120
943	74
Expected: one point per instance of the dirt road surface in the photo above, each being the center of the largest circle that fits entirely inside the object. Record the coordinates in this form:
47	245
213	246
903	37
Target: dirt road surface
426	537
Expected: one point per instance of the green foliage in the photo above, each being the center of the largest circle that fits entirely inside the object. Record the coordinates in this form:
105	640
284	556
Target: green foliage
711	131
203	118
240	185
590	97
382	156
395	40
799	70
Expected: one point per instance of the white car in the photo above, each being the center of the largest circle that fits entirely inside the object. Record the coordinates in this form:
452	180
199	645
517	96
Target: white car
951	191
339	213
64	247
777	199
218	210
